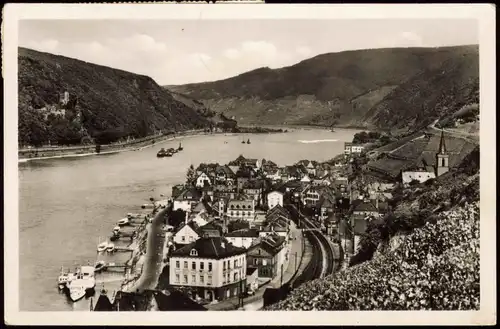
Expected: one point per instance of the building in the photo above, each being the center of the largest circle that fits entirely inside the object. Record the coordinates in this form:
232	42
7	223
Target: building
442	158
187	233
224	174
420	176
267	254
243	238
358	224
253	189
203	180
186	199
351	149
241	209
212	268
274	199
365	207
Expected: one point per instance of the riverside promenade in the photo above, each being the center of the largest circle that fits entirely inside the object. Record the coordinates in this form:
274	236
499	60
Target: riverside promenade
294	265
154	251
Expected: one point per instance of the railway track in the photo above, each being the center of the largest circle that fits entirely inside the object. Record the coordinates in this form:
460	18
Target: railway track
322	260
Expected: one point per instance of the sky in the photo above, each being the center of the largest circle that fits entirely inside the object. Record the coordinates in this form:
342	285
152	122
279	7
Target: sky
176	52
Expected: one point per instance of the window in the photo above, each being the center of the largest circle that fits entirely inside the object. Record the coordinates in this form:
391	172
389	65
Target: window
210	266
224	266
185	279
235	277
256	261
202	265
190	239
183	238
177	278
193	278
177	264
264	262
209	280
235	263
202	279
193	252
193	265
185	264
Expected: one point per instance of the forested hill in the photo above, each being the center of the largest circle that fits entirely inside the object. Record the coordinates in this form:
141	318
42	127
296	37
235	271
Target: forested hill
63	100
381	88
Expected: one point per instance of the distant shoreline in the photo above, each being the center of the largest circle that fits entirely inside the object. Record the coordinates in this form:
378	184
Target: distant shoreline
83	151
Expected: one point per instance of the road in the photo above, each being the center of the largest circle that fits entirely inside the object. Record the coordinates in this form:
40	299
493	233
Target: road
153	264
470	137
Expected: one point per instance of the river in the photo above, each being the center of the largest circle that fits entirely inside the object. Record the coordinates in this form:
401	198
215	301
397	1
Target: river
67	203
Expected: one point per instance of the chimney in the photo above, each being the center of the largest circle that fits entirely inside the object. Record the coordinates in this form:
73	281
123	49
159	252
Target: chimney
186	218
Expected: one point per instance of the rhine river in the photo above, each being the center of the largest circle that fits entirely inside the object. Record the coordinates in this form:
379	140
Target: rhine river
67	203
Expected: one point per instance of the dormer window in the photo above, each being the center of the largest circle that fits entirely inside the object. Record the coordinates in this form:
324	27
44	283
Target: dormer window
193	252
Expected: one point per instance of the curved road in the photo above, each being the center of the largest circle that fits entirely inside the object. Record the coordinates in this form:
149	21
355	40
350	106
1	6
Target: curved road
154	251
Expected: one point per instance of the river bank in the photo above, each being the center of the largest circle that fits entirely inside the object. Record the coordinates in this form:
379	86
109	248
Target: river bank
25	155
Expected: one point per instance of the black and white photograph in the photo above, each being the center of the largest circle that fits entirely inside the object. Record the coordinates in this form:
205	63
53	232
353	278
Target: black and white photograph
249	158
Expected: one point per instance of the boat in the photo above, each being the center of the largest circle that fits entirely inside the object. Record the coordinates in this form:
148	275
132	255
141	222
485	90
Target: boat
64	278
180	148
99	266
111	247
124	221
248	141
84	282
102	246
116	229
161	153
169	154
243	142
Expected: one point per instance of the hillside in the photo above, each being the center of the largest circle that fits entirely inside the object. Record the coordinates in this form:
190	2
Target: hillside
408	86
63	99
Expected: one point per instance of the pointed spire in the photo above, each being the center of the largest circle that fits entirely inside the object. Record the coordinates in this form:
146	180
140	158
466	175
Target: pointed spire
442	146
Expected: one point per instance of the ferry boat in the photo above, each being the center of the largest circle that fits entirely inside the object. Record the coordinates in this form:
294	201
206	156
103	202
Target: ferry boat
84	282
161	153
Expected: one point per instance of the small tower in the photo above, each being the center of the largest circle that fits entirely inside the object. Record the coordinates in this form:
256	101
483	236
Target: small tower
442	158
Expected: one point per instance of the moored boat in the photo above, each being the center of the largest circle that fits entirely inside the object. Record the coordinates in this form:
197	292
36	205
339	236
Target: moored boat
111	247
99	266
84	282
124	221
161	153
116	229
248	141
180	148
102	246
65	278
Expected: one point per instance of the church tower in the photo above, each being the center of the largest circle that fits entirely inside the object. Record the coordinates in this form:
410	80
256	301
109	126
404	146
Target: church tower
442	158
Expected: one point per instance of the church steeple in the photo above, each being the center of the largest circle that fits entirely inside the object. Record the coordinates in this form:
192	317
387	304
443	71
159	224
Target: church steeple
442	145
442	157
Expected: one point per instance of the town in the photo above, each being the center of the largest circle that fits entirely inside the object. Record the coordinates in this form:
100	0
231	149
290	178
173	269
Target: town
241	235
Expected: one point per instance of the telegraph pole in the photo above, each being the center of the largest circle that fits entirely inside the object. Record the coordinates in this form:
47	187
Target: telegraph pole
281	279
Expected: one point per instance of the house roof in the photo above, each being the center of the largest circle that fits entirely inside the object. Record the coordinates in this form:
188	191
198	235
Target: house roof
211	248
174	300
192	225
244	233
211	229
103	304
278	209
200	206
189	193
362	205
271	243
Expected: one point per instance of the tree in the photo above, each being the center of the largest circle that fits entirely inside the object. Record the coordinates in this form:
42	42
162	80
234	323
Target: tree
190	176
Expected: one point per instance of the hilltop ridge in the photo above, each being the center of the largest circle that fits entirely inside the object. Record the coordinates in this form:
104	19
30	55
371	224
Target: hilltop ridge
375	88
65	101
